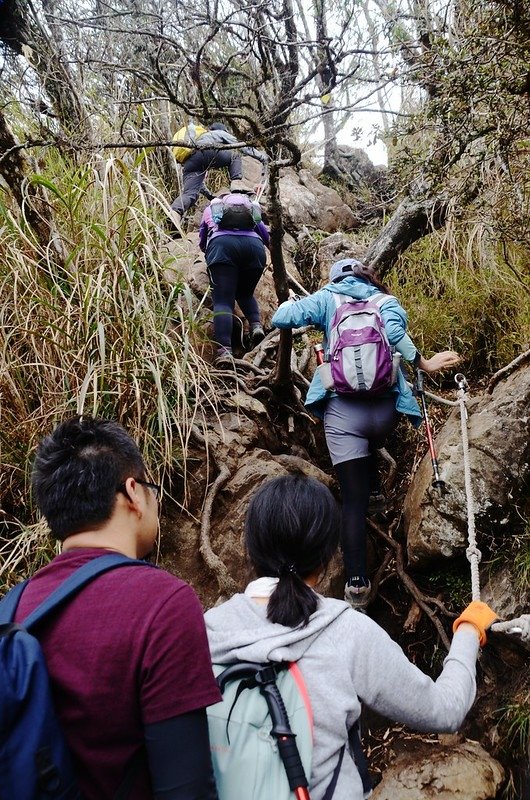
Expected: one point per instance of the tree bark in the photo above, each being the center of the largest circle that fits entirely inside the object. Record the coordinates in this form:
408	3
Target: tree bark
30	198
44	51
412	220
283	374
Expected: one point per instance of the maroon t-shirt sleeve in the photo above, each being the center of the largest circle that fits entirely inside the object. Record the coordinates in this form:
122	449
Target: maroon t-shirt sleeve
176	671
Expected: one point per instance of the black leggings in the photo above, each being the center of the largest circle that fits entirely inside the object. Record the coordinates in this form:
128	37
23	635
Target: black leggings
235	265
357	478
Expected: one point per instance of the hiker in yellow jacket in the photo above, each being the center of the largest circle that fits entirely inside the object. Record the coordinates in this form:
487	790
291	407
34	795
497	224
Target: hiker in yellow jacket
196	162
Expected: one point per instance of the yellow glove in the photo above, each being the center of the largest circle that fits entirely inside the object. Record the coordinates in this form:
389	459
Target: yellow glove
480	616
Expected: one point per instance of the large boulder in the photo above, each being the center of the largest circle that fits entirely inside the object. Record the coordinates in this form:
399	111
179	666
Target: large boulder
355	165
498	424
306	201
463	771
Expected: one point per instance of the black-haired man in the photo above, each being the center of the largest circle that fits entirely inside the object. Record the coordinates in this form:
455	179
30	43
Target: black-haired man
128	658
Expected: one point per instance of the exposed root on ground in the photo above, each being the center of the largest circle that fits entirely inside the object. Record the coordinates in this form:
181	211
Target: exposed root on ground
424	602
227	585
508	369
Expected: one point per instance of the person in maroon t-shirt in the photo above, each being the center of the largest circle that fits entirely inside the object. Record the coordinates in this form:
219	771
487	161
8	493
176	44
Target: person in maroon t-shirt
128	656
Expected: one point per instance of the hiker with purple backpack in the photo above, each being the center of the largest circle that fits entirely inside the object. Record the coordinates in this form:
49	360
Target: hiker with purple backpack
233	238
359	392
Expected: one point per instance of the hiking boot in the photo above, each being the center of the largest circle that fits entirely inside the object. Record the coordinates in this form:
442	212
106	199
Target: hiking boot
357	593
174	225
238	334
223	357
257	334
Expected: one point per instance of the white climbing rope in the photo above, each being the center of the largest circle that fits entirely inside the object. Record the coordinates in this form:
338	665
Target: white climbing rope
473	553
520	625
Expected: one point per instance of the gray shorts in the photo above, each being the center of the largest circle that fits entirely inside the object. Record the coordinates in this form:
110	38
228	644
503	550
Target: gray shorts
354	427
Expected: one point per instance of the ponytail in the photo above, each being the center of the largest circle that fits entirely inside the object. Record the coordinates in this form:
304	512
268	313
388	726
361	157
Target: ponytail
369	274
292	602
291	532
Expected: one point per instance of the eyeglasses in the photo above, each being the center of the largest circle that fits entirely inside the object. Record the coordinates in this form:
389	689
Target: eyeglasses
154	486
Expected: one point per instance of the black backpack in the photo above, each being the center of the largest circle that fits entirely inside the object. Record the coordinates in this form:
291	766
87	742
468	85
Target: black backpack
235	212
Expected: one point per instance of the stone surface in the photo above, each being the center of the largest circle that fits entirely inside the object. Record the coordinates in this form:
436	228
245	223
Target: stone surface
499	444
465	771
356	164
306	201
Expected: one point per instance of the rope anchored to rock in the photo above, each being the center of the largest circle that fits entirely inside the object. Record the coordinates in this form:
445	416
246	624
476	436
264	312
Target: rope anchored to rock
520	625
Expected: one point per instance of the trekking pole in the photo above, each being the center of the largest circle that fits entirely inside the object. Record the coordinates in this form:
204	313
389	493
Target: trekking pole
419	391
281	730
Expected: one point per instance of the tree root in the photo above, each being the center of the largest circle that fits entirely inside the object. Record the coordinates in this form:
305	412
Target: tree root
392	471
507	370
227	585
411	587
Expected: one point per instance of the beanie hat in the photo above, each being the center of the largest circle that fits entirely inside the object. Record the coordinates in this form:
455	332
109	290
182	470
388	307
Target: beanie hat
343	268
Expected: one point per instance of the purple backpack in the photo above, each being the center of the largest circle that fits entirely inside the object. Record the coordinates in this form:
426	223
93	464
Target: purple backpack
360	355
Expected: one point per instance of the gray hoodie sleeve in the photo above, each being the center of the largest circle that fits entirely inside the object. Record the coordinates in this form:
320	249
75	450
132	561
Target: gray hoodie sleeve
389	683
223	137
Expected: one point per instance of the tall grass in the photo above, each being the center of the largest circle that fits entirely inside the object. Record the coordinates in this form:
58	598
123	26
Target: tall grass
114	332
461	292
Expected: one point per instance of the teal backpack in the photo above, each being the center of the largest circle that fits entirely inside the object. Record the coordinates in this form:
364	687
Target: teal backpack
261	734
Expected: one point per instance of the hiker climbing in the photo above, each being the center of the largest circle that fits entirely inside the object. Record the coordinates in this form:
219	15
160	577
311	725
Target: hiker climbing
342	657
359	391
196	162
233	237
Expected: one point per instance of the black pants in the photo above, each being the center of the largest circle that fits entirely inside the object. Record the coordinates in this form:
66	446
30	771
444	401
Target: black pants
194	171
235	265
357	478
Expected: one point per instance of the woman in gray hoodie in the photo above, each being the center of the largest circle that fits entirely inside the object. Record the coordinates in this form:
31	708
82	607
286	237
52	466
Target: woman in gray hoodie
291	533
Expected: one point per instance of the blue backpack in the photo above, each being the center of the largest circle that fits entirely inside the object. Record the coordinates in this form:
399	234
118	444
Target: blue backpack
35	763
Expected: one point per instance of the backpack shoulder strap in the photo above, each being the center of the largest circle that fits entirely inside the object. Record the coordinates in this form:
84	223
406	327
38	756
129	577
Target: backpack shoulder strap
354	741
356	748
340	299
75	582
330	791
381	298
9	603
294	669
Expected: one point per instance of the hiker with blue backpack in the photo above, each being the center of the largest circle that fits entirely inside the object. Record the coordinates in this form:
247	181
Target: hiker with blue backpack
105	673
335	659
234	238
359	390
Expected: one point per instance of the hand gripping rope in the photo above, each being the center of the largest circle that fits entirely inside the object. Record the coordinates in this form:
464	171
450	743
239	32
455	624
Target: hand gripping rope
520	625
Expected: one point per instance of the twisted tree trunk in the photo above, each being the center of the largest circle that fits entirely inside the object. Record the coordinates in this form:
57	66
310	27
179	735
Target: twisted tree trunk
30	197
